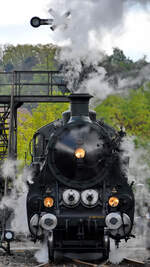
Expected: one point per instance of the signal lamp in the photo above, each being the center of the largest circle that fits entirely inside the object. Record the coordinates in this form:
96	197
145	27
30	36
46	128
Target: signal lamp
48	202
8	235
80	153
113	201
35	22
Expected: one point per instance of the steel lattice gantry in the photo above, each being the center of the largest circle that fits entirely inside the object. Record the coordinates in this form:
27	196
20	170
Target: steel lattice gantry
20	87
16	88
4	128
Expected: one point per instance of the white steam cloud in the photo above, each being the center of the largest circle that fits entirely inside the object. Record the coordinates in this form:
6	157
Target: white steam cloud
16	200
82	34
91	20
85	33
116	255
42	254
136	79
138	172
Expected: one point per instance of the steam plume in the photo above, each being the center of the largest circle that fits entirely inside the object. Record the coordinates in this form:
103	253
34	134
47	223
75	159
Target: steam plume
92	19
16	200
91	25
138	172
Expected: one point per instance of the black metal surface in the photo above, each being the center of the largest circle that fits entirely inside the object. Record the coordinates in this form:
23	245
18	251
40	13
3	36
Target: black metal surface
36	22
78	172
80	228
4	127
19	100
79	104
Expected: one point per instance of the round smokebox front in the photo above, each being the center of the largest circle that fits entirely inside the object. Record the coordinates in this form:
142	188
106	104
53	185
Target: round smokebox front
76	155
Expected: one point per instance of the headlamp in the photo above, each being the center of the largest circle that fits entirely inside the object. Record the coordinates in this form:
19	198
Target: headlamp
89	197
113	201
79	153
71	197
48	202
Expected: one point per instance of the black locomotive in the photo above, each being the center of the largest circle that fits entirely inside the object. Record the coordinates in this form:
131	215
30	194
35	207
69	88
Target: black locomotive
80	196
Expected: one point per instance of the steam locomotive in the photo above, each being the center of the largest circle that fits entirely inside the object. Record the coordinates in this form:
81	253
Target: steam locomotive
80	196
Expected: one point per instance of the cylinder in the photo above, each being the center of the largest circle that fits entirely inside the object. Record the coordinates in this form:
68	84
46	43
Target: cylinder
79	104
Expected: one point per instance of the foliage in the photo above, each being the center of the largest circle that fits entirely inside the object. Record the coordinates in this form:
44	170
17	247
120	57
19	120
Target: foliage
28	57
42	57
29	123
132	112
117	62
119	67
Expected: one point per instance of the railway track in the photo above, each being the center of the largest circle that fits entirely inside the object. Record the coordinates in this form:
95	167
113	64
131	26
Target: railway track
28	254
135	262
78	263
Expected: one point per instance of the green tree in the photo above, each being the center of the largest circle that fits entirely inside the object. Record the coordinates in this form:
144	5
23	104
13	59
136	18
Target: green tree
132	112
26	57
29	123
109	110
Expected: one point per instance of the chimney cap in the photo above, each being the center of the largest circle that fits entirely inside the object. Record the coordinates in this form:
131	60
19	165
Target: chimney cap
79	96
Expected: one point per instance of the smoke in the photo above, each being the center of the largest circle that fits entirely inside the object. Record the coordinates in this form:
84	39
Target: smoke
138	168
116	255
42	254
135	79
138	172
83	37
96	85
16	200
91	20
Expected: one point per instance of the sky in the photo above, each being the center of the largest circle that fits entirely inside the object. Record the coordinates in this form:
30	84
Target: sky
15	28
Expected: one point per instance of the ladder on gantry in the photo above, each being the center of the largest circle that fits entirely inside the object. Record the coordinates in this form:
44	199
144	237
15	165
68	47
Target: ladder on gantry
15	91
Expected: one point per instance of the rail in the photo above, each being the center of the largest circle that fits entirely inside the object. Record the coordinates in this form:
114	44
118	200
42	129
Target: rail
79	263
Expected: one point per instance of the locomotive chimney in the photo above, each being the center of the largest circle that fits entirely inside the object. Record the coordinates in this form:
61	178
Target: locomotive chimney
79	106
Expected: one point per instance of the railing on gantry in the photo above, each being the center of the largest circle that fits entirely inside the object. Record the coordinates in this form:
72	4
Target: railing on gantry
33	83
20	87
